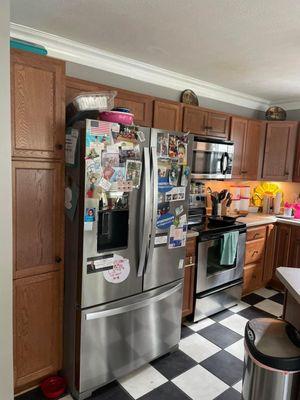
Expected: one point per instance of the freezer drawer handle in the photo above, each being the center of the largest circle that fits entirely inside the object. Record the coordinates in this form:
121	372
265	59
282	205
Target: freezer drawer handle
147	212
134	306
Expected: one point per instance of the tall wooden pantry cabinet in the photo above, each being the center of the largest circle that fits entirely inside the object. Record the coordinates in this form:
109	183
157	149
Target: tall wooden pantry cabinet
38	124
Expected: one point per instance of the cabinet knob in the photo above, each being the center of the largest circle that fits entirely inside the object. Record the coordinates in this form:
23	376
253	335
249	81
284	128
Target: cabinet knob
208	128
286	173
59	146
58	259
244	172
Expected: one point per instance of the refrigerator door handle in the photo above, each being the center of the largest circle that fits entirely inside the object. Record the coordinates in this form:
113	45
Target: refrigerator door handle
154	204
133	306
147	213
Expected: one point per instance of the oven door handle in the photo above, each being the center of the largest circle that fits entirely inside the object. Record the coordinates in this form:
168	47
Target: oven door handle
225	156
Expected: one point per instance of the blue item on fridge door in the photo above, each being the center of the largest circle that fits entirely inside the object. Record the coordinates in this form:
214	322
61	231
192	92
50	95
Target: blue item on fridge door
27	46
89	215
164	221
164	185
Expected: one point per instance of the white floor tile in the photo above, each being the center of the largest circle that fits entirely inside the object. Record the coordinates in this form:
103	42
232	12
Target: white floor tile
236	323
68	397
196	326
237	349
241	305
264	292
197	347
271	307
142	381
238	386
200	384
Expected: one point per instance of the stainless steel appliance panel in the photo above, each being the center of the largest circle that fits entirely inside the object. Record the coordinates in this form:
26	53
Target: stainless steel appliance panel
216	301
119	337
212	160
223	274
95	289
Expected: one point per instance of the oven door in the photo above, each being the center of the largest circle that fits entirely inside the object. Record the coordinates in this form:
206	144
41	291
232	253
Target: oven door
210	272
212	160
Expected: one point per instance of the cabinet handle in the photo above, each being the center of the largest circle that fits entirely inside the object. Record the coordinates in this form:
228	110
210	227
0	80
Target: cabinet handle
256	235
59	146
244	172
208	128
286	173
254	252
58	259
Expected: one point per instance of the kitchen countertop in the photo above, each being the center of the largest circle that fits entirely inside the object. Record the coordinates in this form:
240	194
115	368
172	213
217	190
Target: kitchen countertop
290	277
255	219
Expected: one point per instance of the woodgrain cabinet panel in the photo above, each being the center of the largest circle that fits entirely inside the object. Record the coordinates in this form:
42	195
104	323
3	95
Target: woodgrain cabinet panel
256	233
189	277
269	253
38	108
296	174
37	327
279	151
294	251
218	124
167	115
238	136
253	274
194	120
38	217
254	251
251	155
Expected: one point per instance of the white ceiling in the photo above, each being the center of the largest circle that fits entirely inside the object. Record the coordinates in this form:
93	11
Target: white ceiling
252	46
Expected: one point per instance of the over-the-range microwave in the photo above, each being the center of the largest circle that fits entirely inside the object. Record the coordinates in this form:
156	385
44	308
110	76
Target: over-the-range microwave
212	158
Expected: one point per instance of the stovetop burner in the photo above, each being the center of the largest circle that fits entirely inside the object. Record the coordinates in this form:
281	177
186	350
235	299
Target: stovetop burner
205	226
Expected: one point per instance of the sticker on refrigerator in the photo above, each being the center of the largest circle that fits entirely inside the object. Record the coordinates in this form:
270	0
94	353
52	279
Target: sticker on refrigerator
104	183
163	185
182	152
176	194
177	237
174	174
178	210
90	214
71	200
70	146
181	263
159	240
163	145
173	151
141	136
133	172
185	175
120	271
164	221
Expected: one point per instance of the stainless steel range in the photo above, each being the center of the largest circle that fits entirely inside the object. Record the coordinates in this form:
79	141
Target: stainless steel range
218	285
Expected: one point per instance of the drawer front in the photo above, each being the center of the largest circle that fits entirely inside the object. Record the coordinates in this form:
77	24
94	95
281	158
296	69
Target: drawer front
252	277
254	251
256	233
190	249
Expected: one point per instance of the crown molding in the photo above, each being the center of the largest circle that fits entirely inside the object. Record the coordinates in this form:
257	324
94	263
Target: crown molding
287	104
69	50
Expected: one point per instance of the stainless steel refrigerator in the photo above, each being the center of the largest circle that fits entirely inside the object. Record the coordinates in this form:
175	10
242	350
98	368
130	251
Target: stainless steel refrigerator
125	247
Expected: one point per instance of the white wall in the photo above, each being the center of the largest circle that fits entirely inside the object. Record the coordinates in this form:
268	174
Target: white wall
6	364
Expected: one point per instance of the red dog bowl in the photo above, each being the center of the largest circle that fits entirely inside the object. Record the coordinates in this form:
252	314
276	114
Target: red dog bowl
53	387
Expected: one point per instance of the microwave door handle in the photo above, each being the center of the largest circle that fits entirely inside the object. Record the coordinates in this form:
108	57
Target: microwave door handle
225	156
147	212
154	182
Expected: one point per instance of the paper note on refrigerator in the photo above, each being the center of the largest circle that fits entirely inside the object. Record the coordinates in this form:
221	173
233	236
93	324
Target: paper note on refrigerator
70	146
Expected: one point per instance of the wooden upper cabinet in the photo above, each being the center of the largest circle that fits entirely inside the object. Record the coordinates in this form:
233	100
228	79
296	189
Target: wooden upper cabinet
167	115
294	253
37	327
140	105
280	141
218	124
38	105
38	217
296	175
194	120
252	150
238	136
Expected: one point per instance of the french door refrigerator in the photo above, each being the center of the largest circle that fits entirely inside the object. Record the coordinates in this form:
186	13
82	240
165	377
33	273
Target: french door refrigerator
126	224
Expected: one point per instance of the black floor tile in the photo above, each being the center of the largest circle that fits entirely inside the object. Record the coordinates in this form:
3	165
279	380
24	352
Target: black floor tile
253	312
112	391
220	335
167	391
186	331
35	394
225	366
278	298
229	394
221	315
173	364
253	298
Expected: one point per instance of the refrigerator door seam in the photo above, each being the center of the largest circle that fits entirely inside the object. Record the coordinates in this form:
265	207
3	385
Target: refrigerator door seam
134	306
147	212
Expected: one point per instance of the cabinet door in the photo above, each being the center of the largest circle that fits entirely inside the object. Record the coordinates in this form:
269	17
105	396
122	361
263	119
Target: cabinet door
252	277
283	241
188	290
37	327
194	120
269	253
38	105
167	115
279	151
296	175
38	217
294	253
238	136
218	124
250	163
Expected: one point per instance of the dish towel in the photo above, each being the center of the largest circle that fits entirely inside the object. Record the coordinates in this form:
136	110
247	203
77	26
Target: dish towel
228	247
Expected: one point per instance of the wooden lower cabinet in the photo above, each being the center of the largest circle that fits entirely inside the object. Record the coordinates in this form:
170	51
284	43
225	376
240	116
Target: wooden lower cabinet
253	274
189	277
37	327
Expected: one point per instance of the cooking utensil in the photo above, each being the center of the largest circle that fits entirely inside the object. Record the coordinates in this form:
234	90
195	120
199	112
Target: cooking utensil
222	195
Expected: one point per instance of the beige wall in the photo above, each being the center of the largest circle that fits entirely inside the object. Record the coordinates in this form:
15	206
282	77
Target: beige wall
6	366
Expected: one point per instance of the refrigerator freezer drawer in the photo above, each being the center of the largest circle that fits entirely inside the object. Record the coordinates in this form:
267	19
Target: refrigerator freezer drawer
122	336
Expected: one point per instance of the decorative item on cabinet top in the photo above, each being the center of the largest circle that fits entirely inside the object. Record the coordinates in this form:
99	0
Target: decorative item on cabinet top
275	113
189	97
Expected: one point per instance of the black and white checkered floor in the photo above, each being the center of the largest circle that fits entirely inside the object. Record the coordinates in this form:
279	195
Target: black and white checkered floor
208	364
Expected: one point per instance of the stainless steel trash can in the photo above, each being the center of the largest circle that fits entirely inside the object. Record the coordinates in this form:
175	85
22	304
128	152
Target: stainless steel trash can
272	361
